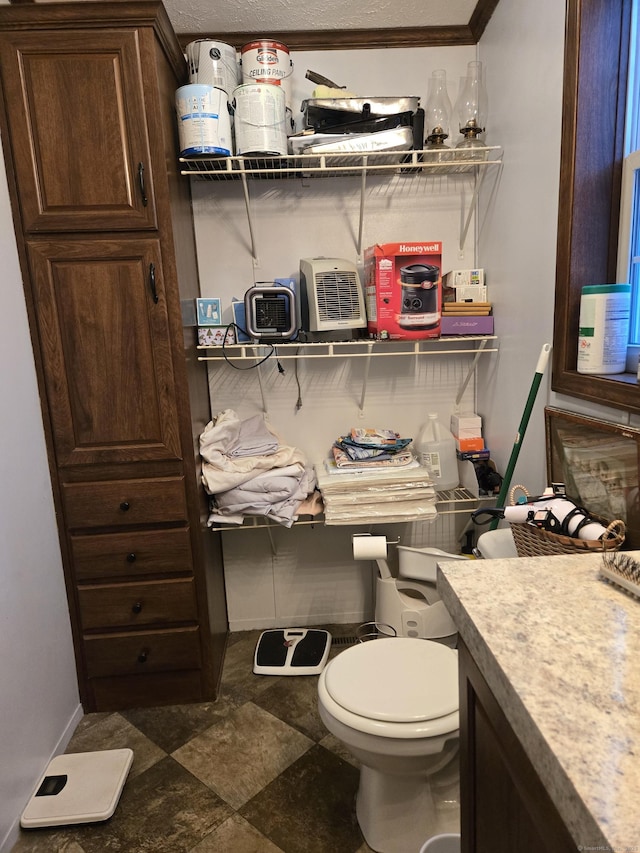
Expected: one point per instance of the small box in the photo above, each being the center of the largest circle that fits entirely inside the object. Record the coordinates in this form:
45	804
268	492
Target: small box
216	336
463	280
466	426
403	290
209	313
466	293
467	325
467	445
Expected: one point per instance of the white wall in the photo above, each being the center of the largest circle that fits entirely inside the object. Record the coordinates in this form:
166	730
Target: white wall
39	704
522	49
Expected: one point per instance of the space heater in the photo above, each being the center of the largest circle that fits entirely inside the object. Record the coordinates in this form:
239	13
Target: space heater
331	298
270	313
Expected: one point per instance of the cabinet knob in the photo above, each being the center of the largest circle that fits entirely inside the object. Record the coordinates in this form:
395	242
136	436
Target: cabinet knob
131	558
142	657
124	506
137	607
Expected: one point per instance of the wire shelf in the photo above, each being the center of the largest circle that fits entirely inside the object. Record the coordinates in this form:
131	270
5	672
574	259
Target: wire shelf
446	345
334	165
446	503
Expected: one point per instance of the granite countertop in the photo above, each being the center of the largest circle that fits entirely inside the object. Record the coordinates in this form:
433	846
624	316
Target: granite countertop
560	649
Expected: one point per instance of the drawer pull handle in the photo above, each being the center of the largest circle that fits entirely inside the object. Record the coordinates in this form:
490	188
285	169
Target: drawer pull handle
131	558
124	506
142	657
137	607
143	191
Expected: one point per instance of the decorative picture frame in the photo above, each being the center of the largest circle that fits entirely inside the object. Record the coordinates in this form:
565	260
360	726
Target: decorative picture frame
598	462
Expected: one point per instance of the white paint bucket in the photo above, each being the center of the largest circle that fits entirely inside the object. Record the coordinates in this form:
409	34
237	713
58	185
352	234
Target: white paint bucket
260	119
204	124
213	63
267	61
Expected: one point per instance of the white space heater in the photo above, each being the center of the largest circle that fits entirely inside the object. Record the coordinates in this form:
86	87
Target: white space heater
331	297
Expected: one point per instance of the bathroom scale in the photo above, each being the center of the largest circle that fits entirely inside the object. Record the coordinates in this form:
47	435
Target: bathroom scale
81	787
292	651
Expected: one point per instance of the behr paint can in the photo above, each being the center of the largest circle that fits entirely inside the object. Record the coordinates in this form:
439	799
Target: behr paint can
259	120
204	123
603	328
213	63
267	61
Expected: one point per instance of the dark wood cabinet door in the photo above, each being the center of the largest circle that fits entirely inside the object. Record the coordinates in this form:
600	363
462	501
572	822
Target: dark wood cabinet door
78	130
103	329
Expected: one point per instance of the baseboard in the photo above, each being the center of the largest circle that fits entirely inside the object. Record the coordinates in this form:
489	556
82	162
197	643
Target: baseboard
11	838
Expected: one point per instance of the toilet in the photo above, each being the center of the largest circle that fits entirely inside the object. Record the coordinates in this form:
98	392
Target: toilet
393	703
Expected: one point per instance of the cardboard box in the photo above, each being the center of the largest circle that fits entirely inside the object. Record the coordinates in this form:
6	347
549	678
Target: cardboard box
467	445
214	336
467	325
403	290
466	426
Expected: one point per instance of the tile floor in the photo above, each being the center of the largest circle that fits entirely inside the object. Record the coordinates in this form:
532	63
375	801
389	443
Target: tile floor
254	772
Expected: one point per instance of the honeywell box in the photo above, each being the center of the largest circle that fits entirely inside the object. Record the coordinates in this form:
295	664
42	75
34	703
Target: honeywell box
403	290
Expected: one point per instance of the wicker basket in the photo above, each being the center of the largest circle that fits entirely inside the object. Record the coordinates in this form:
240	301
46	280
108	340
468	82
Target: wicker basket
532	541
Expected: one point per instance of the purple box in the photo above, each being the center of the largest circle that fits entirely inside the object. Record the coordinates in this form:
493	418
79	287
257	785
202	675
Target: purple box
466	325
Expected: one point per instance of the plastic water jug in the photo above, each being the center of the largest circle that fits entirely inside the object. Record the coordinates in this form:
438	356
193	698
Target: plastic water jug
436	450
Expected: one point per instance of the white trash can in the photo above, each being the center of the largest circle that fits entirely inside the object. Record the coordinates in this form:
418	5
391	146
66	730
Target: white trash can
449	842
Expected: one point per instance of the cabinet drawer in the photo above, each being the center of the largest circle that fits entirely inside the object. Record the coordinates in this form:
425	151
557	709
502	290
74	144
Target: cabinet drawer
142	651
132	604
123	555
124	502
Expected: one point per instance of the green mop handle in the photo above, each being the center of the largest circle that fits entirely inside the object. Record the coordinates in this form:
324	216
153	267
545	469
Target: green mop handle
508	474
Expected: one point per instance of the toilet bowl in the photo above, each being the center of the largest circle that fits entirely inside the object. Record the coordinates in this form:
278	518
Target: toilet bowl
394	705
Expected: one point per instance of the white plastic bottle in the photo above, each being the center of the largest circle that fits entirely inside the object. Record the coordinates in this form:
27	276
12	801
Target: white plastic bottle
436	450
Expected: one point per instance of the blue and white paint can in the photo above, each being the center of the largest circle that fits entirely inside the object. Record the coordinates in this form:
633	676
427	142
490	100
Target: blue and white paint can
204	123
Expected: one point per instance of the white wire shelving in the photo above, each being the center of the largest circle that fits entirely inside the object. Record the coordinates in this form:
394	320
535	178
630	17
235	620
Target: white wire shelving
362	164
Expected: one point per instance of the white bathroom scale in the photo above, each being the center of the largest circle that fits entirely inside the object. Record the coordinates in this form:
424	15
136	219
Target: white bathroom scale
82	787
292	651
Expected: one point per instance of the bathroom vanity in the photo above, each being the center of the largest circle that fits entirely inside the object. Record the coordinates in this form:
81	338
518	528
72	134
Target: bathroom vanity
549	705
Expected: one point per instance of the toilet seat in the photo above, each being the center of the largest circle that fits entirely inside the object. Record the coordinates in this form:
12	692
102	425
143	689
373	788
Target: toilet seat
396	687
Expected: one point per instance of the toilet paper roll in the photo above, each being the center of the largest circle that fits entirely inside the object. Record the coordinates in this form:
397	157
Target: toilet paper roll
366	547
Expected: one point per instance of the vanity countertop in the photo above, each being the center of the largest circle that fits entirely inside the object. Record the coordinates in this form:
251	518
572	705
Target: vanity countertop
560	649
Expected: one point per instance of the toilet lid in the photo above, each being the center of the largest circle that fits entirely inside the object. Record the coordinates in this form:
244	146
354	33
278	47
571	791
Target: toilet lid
400	679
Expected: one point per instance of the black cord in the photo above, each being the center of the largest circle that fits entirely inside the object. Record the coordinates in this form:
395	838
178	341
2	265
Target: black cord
251	366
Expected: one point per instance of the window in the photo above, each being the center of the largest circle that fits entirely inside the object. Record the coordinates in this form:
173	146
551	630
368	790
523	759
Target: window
628	267
594	99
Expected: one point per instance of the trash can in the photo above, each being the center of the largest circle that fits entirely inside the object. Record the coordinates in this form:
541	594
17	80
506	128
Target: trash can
449	842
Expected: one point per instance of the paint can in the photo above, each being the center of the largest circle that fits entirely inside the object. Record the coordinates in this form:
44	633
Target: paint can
213	63
259	110
267	61
204	123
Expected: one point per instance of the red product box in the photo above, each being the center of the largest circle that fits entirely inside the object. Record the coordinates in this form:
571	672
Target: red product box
403	290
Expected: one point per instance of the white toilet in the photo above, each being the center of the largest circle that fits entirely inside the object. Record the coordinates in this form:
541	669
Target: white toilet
394	704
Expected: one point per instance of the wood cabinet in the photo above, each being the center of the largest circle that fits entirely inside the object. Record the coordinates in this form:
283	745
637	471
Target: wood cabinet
106	242
504	805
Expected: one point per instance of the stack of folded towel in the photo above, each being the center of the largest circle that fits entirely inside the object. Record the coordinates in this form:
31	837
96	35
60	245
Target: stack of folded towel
248	472
373	477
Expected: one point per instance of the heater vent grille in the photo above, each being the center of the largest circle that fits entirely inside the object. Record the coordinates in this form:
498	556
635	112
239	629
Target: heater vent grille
338	295
271	314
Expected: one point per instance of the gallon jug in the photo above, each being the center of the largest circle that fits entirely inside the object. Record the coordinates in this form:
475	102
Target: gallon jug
436	450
